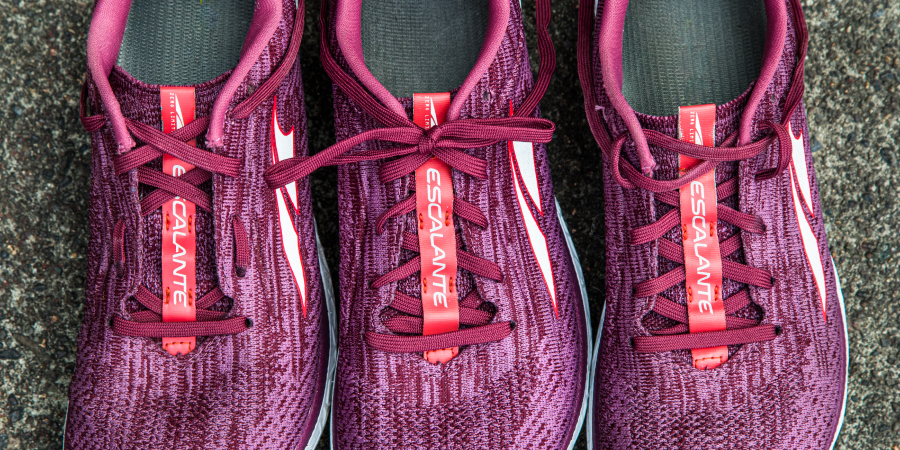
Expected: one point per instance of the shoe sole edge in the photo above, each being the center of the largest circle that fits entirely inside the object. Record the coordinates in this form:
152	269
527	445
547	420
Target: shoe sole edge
325	409
588	380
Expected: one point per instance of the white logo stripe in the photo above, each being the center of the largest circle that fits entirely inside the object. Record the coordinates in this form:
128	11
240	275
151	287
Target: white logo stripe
807	237
431	113
798	157
523	153
283	148
291	244
179	117
535	235
698	133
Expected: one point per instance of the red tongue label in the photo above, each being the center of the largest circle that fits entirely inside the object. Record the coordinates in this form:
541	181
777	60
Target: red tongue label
437	235
702	258
179	241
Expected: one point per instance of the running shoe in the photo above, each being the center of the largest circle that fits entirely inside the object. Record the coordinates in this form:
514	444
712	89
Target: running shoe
206	320
462	315
724	324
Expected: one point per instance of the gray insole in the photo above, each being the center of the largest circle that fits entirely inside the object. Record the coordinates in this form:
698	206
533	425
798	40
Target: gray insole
690	52
181	42
422	45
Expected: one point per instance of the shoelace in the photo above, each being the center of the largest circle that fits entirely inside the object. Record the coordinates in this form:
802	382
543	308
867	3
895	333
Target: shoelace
738	330
148	323
413	147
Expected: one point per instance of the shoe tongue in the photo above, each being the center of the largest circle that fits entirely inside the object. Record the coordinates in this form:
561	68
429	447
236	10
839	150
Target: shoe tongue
141	102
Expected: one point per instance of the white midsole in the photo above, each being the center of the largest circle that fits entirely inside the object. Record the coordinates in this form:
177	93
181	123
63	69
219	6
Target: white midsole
837	280
590	417
588	379
333	348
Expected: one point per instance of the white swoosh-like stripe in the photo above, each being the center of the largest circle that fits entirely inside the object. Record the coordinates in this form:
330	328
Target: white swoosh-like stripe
798	157
810	243
283	148
535	235
524	157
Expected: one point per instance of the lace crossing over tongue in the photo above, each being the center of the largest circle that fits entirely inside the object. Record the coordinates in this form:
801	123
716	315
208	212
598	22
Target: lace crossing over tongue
408	148
740	330
212	318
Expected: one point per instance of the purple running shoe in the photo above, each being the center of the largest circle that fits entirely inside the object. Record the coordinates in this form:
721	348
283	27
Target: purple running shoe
724	325
463	322
208	303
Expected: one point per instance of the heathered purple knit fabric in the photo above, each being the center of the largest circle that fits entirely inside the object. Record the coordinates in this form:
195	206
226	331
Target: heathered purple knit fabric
782	394
524	391
259	389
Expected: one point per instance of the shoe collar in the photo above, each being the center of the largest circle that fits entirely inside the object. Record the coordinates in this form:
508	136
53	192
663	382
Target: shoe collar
612	26
348	31
105	40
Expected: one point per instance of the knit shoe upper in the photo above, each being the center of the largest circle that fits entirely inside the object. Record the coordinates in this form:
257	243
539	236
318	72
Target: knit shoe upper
257	375
779	381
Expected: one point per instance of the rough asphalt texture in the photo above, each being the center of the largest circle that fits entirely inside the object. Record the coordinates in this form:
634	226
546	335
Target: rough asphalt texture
853	99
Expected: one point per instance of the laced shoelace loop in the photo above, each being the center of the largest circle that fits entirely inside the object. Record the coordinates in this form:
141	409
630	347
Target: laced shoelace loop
413	146
630	177
471	315
409	147
148	322
738	330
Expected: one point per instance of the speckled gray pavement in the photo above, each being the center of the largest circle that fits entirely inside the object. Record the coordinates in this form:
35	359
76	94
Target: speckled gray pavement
853	99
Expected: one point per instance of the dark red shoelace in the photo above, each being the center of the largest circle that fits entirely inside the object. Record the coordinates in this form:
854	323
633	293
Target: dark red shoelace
738	330
413	146
148	322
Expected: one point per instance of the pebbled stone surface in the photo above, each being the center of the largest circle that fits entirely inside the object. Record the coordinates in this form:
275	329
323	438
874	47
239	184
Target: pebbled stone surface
852	96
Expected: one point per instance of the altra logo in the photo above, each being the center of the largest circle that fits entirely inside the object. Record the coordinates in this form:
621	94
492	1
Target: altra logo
432	118
283	148
179	116
800	177
698	132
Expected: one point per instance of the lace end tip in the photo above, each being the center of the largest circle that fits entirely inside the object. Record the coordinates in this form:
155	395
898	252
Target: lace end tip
214	143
